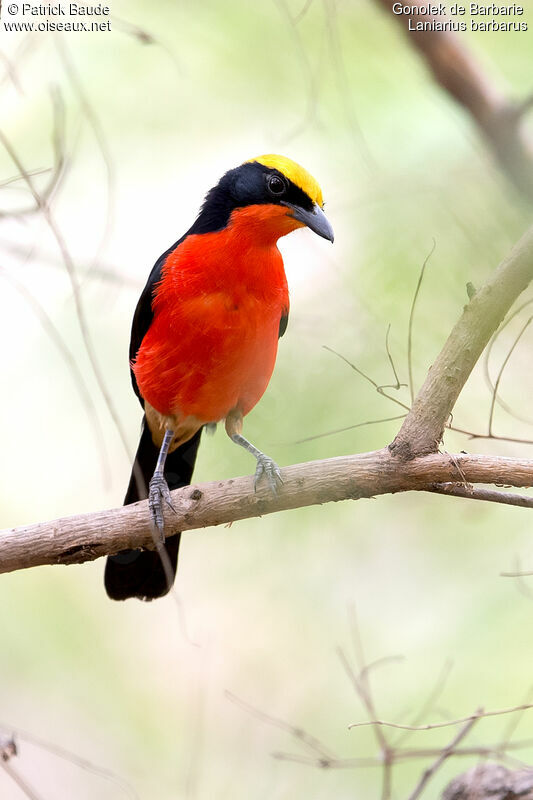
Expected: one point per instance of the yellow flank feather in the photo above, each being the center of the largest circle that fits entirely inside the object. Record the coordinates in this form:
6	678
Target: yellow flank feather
295	173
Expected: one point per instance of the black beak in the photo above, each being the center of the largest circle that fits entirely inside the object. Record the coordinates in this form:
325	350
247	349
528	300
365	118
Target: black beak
314	219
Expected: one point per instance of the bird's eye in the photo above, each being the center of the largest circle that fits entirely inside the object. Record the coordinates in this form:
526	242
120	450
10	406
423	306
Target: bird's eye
276	185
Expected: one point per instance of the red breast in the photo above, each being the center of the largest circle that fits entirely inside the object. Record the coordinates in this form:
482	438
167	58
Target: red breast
213	341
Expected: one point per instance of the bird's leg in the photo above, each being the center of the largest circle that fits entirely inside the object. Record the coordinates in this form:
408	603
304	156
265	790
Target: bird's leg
265	465
158	491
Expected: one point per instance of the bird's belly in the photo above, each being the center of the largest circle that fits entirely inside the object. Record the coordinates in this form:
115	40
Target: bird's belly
216	360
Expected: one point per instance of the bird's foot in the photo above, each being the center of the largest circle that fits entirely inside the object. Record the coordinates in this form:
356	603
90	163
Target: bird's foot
269	469
158	493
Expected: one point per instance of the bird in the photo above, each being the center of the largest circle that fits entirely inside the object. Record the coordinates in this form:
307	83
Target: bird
204	341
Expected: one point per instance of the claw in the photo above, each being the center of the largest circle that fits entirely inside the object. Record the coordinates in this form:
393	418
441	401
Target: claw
158	492
269	469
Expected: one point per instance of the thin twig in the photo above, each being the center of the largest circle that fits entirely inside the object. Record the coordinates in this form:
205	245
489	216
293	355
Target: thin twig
343	84
301	14
493	437
73	758
441	758
58	169
515	721
517	574
500	373
27	47
397	384
410	325
476	493
72	367
33	173
310	76
486	361
307	739
362	687
23	785
146	37
10	73
349	428
323	763
101	272
99	134
71	271
400	756
424	425
378	387
428	705
432	726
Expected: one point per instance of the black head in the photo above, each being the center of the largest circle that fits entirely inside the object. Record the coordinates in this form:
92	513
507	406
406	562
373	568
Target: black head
268	180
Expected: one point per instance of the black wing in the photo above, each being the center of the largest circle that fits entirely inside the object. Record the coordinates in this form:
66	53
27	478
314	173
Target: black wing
283	322
213	217
144	314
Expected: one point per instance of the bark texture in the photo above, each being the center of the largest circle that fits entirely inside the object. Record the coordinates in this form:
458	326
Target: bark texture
491	782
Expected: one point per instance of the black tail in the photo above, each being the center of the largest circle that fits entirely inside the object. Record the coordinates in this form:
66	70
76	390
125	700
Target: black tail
140	573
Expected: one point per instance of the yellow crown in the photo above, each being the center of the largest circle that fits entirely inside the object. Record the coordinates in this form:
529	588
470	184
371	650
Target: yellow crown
295	173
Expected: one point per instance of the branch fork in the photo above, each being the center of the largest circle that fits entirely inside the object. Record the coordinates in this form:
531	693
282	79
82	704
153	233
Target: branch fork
411	462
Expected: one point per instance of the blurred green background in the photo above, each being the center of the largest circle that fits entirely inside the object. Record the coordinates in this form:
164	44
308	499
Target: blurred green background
265	604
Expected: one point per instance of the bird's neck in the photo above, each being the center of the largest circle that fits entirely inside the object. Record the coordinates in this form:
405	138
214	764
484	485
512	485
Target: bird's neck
243	256
260	226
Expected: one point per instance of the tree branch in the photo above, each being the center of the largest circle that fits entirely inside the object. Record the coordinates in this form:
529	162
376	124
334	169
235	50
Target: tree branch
470	492
491	781
456	70
445	753
409	463
88	536
424	425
